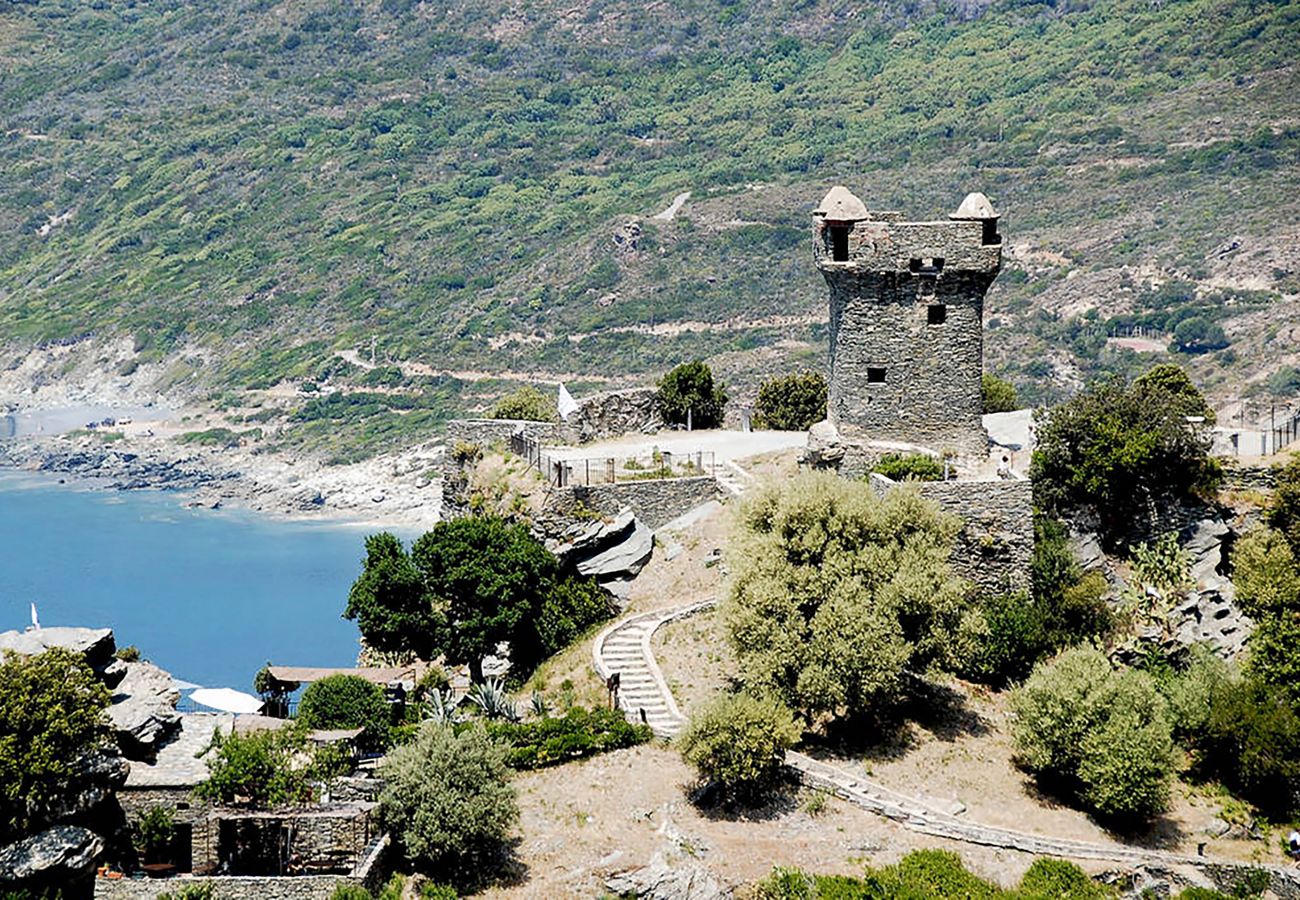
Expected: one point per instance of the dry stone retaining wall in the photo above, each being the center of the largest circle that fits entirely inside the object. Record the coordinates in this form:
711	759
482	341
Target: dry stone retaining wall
656	502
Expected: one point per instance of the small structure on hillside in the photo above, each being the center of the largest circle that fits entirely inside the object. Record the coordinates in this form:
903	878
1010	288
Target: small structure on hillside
906	327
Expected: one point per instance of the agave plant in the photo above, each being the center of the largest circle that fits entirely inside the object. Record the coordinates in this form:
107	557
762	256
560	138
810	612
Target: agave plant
490	696
441	707
538	704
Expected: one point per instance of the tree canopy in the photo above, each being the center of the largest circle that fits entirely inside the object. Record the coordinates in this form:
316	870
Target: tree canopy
836	592
1284	509
1116	454
346	701
689	388
390	602
527	403
793	402
51	715
997	395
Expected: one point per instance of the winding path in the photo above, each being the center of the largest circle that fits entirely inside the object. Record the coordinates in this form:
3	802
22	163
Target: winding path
624	648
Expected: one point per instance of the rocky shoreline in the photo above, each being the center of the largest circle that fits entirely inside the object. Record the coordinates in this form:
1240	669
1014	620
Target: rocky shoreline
399	491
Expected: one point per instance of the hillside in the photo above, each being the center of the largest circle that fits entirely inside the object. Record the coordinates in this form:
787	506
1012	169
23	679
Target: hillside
224	198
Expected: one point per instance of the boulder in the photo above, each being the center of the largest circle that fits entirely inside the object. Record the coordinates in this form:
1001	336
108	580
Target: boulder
825	449
144	709
660	881
57	856
625	555
96	644
95	777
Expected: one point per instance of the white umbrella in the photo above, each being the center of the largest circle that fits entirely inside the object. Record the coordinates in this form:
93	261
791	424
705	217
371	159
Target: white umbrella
227	700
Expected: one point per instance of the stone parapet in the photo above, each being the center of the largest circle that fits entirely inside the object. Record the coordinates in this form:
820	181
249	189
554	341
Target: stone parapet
655	502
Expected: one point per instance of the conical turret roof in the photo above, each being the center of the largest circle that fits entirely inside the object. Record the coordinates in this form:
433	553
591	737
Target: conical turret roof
975	207
840	205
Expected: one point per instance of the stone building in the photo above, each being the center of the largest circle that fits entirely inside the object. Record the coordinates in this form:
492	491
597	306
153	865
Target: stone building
906	325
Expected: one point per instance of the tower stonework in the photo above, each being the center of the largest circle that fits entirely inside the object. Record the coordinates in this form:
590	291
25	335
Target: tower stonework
906	324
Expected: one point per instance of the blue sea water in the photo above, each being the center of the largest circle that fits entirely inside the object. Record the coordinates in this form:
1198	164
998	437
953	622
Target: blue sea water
208	595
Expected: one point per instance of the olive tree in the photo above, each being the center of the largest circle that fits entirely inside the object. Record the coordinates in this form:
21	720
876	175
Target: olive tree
835	593
738	744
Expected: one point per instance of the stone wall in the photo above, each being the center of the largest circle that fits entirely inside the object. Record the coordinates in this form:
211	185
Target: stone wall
613	414
655	502
486	432
1250	478
186	809
906	331
995	547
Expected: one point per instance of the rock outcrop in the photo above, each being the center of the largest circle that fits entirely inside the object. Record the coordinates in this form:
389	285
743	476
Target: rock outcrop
611	552
613	414
144	709
660	881
56	857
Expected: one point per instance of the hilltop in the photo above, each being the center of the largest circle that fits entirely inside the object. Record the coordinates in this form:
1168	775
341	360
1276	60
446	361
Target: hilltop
205	202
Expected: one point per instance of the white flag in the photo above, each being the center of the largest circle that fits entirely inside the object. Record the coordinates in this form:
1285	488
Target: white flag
36	623
567	405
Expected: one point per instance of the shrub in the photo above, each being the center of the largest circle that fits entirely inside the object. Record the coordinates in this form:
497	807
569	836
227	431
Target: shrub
1268	589
1012	638
793	402
447	798
738	744
689	388
909	467
1060	880
351	892
1099	735
578	733
51	714
996	395
1252	744
260	769
1192	695
1284	510
1197	334
1170	383
1072	601
129	653
570	607
347	701
527	403
835	592
154	833
1118	454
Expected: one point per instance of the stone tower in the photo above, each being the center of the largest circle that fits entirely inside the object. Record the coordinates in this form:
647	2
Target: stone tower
906	323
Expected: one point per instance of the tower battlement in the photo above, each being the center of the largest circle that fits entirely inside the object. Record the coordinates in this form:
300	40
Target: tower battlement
906	321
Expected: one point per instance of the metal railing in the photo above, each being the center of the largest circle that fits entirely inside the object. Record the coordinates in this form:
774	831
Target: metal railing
654	466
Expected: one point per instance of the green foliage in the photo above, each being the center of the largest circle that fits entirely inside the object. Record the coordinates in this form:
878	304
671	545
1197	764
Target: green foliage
909	467
793	402
390	602
153	834
1284	509
1171	382
51	713
129	653
260	769
190	892
1267	578
579	733
447	799
431	891
1252	743
1117	453
1198	335
690	388
836	592
1010	635
527	403
996	395
933	875
738	743
1099	735
1071	600
569	608
351	892
1193	694
346	701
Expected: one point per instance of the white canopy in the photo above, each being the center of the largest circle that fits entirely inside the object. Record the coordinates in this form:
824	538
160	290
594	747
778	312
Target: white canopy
227	700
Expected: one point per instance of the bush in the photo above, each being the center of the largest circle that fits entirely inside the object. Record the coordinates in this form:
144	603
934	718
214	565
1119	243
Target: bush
738	743
909	467
447	798
260	769
1012	638
1252	744
527	403
1198	334
1171	384
1284	510
154	833
1098	735
129	653
1192	694
351	892
1058	879
690	388
1119	454
347	701
835	592
1268	589
791	403
1072	601
578	733
51	714
996	395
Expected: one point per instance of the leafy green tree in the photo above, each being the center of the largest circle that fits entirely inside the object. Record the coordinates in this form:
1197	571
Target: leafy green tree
1099	735
1117	454
836	592
570	607
261	769
1284	509
153	833
51	715
527	403
1170	383
346	701
1252	744
793	402
738	744
1197	334
490	579
1072	601
690	388
390	601
1268	589
447	798
996	395
909	467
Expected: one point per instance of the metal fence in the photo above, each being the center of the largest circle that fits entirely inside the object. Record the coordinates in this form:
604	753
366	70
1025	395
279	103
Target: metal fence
653	466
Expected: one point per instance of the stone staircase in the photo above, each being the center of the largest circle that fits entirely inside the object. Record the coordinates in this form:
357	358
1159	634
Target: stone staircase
733	479
624	647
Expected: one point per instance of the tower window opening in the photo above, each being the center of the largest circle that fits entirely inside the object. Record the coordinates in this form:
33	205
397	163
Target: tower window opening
839	243
991	235
926	265
875	376
936	314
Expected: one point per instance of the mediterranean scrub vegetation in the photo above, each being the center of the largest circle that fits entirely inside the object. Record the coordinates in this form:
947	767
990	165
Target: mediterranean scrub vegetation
687	395
347	701
792	402
737	744
1116	454
467	586
526	403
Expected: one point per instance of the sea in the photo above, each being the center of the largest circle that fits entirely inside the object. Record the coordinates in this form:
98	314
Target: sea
208	595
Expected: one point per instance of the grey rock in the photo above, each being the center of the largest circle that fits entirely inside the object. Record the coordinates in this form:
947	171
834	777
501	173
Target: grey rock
621	588
1087	550
94	779
144	709
96	644
825	449
1216	828
660	881
628	555
56	856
